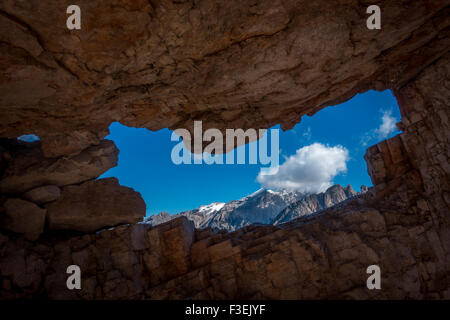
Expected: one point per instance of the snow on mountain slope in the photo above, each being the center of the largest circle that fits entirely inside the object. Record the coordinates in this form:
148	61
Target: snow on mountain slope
263	206
315	202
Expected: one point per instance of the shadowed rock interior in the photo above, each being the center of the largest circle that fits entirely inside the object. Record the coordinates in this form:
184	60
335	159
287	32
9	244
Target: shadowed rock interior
162	64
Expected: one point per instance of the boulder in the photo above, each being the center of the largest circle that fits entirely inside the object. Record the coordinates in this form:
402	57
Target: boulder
29	169
56	145
44	194
23	217
94	205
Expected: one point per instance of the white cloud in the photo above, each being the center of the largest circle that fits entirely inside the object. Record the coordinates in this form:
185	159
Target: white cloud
310	170
387	125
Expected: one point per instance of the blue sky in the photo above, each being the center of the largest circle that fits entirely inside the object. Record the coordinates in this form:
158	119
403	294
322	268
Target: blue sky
340	133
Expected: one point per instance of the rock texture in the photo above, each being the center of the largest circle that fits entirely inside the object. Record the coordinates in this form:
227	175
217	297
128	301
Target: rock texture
42	195
232	64
95	204
23	217
159	64
401	224
29	169
61	192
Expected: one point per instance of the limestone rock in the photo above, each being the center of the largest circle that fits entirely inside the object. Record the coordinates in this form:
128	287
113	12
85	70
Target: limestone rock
56	145
30	169
232	64
94	205
42	195
387	160
23	217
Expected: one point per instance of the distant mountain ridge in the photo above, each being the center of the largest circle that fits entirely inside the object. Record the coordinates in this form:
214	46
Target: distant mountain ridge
315	202
263	206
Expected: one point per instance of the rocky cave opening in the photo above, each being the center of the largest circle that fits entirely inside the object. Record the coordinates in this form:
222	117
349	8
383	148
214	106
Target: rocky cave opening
145	165
162	64
57	195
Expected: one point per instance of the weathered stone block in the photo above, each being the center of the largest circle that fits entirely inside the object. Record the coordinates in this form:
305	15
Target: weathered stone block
23	217
94	205
42	195
29	168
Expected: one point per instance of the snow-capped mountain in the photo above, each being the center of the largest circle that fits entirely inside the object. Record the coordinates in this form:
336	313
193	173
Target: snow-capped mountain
263	206
315	202
200	216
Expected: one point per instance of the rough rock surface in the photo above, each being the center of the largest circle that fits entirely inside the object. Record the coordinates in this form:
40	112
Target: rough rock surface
162	64
42	195
231	64
29	169
95	204
401	224
23	217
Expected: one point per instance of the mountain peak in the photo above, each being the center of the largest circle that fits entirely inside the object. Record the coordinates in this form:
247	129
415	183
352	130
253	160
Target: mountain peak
262	206
255	193
315	202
